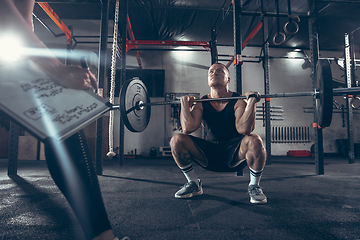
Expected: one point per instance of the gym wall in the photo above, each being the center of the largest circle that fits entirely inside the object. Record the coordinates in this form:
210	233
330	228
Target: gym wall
187	72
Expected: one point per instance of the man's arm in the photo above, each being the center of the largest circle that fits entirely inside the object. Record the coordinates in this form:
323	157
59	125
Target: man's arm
12	20
245	114
190	115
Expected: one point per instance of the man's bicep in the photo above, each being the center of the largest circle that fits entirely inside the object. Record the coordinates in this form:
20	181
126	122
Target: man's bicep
196	113
239	109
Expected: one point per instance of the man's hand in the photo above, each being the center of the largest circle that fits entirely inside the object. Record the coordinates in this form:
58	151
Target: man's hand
75	77
255	95
187	101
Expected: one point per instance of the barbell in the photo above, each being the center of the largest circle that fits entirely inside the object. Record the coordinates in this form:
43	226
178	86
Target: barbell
135	105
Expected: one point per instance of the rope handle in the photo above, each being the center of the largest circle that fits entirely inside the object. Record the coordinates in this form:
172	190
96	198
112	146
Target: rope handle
111	152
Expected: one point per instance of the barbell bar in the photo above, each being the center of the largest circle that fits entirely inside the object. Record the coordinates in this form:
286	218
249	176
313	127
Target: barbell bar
135	101
140	104
337	91
276	95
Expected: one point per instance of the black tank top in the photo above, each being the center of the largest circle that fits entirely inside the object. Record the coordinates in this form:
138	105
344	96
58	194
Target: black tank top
220	126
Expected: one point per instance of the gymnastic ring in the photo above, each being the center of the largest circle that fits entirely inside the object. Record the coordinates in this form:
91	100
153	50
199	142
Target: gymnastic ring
282	40
352	102
295	24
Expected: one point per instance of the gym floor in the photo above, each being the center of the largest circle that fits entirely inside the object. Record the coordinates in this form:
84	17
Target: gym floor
139	197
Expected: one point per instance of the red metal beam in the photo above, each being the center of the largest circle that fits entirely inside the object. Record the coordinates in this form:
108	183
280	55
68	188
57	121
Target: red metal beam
252	34
247	40
50	12
132	38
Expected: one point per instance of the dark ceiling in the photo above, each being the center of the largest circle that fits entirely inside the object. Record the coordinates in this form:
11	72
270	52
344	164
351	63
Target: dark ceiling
193	20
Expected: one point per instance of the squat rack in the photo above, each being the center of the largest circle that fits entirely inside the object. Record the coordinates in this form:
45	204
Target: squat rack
350	63
314	48
238	46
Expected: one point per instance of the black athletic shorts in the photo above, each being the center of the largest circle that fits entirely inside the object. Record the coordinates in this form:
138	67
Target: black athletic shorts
219	154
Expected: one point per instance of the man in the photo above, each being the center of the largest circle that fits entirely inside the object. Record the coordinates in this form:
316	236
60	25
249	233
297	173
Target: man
228	144
69	162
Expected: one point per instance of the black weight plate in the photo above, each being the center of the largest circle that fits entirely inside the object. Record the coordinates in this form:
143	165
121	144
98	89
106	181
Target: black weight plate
324	101
132	92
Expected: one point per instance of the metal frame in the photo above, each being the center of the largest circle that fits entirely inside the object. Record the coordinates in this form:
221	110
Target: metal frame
213	47
122	32
349	109
266	67
237	52
133	43
14	133
314	50
50	12
237	45
247	40
102	84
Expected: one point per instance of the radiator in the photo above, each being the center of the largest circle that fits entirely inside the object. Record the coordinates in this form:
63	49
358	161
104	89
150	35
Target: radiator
286	134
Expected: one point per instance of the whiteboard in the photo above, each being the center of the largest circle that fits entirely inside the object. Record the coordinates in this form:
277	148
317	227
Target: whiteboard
43	107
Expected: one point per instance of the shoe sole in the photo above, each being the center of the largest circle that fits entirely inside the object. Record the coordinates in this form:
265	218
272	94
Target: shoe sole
190	194
258	202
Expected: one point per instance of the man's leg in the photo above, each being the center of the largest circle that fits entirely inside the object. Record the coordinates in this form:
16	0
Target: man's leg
184	151
252	149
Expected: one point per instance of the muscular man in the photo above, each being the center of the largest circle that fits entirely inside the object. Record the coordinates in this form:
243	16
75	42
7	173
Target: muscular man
228	145
69	162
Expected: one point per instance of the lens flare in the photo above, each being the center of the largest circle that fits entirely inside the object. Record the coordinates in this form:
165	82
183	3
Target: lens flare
11	48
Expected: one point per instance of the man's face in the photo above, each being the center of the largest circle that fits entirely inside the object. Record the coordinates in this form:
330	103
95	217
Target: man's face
218	75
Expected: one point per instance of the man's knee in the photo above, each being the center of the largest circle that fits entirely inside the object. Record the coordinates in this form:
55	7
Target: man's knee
254	151
254	142
177	140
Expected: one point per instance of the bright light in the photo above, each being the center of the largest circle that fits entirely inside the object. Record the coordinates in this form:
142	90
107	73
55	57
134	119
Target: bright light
10	48
293	54
182	52
295	59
